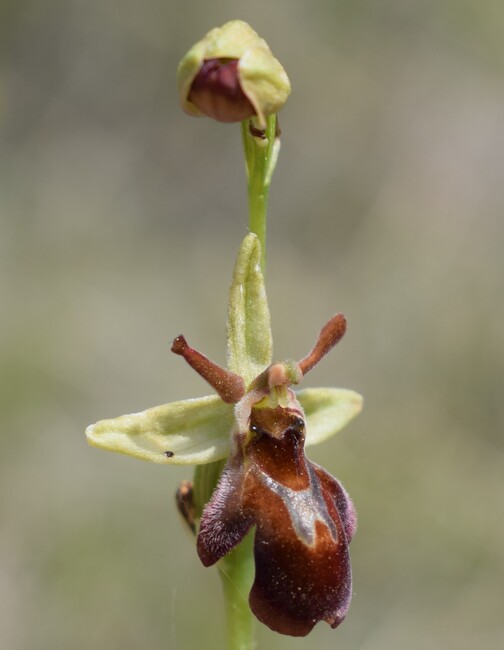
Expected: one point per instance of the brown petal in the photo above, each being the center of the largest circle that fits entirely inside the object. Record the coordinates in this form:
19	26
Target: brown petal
332	332
229	386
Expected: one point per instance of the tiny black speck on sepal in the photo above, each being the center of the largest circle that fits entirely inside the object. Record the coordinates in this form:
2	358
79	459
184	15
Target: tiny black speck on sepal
169	454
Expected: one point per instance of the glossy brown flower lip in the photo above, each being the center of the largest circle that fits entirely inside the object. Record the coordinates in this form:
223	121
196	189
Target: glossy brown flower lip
216	91
304	521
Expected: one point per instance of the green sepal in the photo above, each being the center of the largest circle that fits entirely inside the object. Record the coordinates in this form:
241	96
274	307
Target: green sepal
327	411
249	337
264	81
194	431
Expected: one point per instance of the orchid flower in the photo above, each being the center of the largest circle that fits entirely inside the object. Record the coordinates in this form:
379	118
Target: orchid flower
252	481
302	516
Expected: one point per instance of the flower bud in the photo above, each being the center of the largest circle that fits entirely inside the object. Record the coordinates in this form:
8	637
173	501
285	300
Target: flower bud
231	75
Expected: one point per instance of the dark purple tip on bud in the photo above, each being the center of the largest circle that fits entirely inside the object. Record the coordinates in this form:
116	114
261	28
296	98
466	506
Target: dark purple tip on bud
216	91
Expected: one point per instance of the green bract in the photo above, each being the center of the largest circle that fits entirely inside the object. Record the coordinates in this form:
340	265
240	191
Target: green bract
260	75
199	431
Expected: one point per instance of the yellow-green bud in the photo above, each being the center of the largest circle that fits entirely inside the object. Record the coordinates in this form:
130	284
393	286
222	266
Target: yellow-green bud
231	75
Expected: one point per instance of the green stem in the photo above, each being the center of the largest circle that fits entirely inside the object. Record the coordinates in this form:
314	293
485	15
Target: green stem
261	152
237	574
236	569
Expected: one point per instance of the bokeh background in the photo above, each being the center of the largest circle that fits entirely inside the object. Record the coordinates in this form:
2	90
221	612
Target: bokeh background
120	218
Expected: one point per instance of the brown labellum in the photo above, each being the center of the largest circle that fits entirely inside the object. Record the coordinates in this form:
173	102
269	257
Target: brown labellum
304	522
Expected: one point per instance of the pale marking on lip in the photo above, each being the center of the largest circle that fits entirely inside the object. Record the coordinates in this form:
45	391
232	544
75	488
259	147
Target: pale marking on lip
305	507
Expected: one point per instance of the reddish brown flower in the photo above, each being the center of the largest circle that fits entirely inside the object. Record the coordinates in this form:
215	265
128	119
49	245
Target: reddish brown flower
304	522
303	518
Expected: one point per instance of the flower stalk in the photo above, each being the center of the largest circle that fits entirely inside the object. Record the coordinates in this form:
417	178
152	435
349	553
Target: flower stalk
236	569
261	147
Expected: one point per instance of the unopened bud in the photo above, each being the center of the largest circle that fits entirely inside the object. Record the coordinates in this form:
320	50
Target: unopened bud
231	75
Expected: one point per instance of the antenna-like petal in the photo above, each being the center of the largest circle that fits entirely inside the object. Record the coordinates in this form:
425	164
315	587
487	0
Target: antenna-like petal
329	335
229	387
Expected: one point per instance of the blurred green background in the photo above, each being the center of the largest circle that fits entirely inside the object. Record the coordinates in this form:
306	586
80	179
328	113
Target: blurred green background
120	218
